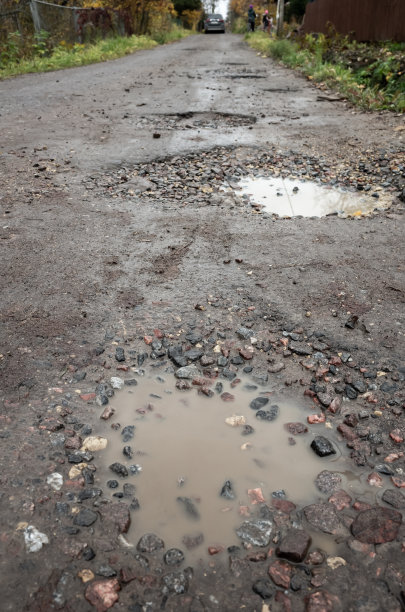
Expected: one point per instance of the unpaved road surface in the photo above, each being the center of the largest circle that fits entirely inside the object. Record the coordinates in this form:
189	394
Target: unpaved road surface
115	227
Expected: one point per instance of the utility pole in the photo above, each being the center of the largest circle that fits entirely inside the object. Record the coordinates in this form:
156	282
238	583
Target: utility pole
280	17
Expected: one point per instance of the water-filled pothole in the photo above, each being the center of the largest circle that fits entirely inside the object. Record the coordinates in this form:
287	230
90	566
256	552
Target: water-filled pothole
182	450
287	197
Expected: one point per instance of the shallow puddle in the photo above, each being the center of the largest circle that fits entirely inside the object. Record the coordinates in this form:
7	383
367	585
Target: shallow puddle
183	452
292	198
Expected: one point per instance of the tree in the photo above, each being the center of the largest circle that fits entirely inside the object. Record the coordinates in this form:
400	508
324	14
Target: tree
295	8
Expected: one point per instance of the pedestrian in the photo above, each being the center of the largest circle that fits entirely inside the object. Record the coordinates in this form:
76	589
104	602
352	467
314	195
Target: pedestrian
266	21
251	18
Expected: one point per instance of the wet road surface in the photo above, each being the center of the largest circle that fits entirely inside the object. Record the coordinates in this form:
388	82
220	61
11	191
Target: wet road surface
115	226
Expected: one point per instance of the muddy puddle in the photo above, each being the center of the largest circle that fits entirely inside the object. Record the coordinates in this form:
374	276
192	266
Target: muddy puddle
287	197
182	449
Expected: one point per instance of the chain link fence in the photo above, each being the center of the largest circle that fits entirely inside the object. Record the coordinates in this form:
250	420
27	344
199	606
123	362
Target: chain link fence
62	23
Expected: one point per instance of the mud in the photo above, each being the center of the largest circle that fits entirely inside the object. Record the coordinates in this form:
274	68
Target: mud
203	452
116	233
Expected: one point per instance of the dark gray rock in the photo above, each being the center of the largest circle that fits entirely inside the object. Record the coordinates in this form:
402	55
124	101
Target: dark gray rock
258	403
119	354
244	333
128	452
264	588
268	415
322	446
193	354
173	556
189	507
119	469
149	543
247	430
350	392
360	386
176	582
127	433
85	517
300	348
187	372
227	490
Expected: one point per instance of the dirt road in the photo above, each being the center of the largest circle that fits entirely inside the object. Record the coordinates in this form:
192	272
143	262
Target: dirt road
115	223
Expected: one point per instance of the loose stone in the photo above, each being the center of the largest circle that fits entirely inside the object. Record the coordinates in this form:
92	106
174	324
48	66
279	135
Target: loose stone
120	469
296	428
322	446
323	517
268	415
264	588
173	556
294	545
376	525
258	403
189	507
255	532
227	490
394	498
149	543
280	572
327	481
119	354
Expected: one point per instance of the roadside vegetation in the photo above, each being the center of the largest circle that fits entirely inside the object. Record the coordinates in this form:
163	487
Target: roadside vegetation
83	32
369	75
18	57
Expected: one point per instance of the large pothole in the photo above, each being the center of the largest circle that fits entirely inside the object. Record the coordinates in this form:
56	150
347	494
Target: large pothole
195	120
194	468
288	197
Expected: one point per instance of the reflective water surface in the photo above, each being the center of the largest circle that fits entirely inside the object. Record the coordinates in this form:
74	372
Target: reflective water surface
291	198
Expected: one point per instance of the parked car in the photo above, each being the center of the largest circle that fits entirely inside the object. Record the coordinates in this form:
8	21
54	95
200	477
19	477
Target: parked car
214	23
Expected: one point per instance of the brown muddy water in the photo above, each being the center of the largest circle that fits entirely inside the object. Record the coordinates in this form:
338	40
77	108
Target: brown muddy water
287	197
183	447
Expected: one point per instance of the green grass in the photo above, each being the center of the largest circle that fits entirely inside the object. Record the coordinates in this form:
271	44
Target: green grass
69	56
375	83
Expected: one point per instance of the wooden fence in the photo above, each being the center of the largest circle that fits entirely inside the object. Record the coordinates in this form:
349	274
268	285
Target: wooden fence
366	20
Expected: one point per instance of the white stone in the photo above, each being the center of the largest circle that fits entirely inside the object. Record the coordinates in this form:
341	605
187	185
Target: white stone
34	539
55	480
116	382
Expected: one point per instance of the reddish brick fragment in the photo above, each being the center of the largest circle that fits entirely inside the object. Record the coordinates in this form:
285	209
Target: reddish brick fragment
314	419
397	436
340	499
398	481
347	432
86	397
102	594
284	505
214	550
280	573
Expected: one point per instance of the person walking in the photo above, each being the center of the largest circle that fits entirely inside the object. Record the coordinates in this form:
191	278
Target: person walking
251	18
266	21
